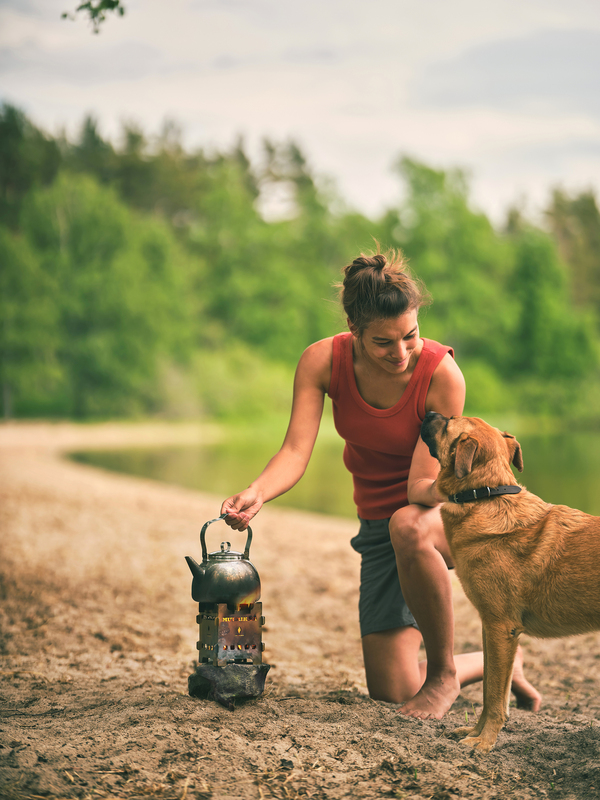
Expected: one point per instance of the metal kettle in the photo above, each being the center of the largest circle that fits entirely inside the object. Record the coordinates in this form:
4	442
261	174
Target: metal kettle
225	575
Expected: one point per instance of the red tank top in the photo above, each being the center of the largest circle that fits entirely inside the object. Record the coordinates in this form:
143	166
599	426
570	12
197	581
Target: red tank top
379	442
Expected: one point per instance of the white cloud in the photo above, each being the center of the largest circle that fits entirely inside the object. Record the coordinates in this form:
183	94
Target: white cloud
506	89
547	70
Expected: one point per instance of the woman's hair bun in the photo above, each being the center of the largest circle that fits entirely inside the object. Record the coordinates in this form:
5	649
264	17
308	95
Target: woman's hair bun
376	262
379	286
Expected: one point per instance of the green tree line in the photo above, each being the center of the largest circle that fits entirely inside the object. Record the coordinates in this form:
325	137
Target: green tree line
147	278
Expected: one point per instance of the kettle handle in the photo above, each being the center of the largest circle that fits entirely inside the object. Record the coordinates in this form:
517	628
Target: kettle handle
246	553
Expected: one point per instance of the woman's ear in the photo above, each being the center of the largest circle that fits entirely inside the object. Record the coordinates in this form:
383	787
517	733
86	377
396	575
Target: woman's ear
352	327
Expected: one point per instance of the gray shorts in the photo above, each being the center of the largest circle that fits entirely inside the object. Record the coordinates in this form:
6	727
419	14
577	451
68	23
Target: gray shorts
381	605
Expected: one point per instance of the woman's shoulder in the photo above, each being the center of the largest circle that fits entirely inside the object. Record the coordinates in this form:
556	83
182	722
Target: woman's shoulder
447	368
316	362
447	386
323	350
436	348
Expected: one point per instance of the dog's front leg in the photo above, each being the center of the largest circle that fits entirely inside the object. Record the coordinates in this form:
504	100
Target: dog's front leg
499	649
469	730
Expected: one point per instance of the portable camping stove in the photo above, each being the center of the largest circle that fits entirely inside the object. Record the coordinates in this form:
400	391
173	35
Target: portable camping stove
226	587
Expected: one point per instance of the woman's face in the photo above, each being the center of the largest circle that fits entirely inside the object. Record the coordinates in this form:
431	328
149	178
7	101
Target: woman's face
389	343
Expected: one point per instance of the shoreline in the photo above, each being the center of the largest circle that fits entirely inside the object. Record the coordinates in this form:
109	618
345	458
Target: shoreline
64	436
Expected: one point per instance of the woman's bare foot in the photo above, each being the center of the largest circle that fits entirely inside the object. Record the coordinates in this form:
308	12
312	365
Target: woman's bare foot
526	695
434	698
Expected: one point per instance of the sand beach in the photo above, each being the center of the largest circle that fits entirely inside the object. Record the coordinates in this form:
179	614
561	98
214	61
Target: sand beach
98	638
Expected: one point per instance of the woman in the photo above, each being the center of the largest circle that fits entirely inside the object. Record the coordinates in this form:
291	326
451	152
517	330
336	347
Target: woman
382	378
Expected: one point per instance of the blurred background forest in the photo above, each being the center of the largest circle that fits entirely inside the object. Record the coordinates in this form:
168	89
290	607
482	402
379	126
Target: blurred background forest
142	279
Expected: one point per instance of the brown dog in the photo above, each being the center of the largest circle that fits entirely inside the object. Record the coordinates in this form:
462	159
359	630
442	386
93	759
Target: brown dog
526	565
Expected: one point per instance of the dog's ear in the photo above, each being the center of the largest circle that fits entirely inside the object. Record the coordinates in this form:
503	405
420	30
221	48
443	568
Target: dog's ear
466	447
514	448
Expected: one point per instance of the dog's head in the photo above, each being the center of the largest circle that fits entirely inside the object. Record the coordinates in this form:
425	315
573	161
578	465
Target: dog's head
468	446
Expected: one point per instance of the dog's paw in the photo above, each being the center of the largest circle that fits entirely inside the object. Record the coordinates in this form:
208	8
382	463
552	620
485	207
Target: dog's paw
480	743
464	731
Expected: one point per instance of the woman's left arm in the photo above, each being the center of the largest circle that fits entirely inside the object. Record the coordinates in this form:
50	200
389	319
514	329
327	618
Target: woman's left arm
446	395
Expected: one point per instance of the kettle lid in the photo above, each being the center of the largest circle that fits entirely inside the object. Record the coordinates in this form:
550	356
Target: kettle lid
225	553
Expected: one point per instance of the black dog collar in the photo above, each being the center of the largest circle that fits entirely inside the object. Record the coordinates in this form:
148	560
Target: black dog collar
482	493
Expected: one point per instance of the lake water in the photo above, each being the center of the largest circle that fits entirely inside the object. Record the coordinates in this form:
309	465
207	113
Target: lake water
561	468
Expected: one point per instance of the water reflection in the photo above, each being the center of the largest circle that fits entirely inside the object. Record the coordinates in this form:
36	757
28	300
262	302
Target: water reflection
562	469
230	466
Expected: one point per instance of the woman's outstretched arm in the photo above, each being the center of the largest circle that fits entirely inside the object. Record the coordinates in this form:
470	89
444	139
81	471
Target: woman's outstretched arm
288	465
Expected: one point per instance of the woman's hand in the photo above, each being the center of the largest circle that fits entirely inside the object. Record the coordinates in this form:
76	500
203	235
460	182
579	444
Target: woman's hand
425	492
241	508
436	494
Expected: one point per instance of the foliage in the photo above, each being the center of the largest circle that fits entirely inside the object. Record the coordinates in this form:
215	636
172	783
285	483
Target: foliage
28	158
268	278
27	322
559	344
146	278
234	381
503	302
462	260
97	11
575	225
118	284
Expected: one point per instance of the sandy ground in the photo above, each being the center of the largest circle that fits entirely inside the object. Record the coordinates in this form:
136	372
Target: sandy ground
98	639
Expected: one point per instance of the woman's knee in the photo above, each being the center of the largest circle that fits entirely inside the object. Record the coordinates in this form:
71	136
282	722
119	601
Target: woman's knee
392	664
414	527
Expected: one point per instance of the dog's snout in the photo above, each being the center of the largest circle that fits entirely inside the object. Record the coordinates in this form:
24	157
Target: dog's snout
430	425
432	420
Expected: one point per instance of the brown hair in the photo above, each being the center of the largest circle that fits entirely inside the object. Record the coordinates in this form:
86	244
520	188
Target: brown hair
379	286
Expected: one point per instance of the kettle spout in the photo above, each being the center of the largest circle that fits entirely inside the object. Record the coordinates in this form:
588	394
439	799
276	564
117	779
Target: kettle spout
196	569
198	573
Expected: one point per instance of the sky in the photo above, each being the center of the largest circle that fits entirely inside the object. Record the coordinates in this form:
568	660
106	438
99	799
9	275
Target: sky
507	90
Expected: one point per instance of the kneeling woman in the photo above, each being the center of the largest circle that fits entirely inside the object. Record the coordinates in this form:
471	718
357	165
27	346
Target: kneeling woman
382	378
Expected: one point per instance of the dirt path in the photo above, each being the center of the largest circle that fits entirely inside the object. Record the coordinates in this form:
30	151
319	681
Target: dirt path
98	639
